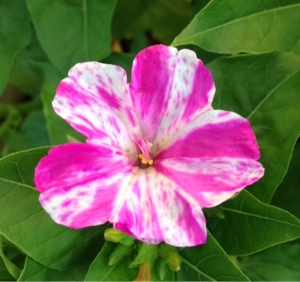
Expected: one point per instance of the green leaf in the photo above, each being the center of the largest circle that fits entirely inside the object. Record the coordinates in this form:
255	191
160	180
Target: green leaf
280	263
208	262
288	193
250	226
4	274
14	35
265	89
34	271
73	31
100	270
24	222
14	270
233	26
147	253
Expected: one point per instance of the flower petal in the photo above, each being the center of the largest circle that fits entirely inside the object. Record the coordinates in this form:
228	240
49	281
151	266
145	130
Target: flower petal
80	183
157	210
89	115
169	88
215	134
211	181
109	83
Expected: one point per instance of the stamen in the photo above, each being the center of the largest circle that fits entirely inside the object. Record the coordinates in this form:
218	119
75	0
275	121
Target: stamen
144	150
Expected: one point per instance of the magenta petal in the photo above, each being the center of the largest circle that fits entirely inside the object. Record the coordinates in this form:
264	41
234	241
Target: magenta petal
215	134
169	88
89	115
156	210
211	181
80	183
109	83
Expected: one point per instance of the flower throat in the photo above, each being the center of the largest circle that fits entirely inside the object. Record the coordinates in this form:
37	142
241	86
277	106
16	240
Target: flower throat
144	152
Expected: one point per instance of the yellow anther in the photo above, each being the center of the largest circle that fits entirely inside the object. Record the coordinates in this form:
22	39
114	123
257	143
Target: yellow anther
150	162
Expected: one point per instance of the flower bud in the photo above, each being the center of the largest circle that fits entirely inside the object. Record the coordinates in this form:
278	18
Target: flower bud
117	236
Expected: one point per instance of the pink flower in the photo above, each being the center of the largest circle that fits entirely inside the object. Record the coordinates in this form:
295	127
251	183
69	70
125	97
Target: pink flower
156	152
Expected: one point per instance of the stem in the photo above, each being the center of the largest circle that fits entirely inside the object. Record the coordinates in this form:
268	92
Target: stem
24	108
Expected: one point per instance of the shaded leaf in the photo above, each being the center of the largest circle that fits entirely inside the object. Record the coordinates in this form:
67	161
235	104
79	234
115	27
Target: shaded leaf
24	222
34	271
233	26
264	89
250	226
208	262
35	129
280	263
85	35
14	35
288	193
165	19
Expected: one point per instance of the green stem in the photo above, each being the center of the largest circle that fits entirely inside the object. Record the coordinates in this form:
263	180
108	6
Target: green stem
24	108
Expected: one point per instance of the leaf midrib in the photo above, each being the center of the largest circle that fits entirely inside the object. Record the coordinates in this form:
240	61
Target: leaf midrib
259	216
234	21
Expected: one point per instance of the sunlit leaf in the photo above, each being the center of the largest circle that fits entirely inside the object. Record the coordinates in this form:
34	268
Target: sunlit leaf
233	26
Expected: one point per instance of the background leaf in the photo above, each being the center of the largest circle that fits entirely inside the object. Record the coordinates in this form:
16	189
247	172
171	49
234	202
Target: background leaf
288	193
14	35
163	19
85	35
233	26
208	262
250	226
24	222
280	263
264	89
34	271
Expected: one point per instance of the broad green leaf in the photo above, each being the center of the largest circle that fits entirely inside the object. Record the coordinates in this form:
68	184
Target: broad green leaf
208	262
101	271
58	129
34	271
280	263
73	31
250	226
24	222
288	193
265	89
14	35
256	26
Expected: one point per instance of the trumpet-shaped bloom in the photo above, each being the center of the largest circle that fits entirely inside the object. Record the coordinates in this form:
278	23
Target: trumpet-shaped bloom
156	152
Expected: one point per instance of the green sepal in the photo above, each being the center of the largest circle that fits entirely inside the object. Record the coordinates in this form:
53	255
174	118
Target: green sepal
120	252
146	254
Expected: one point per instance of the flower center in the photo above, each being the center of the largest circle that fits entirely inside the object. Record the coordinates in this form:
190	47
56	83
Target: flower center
143	147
